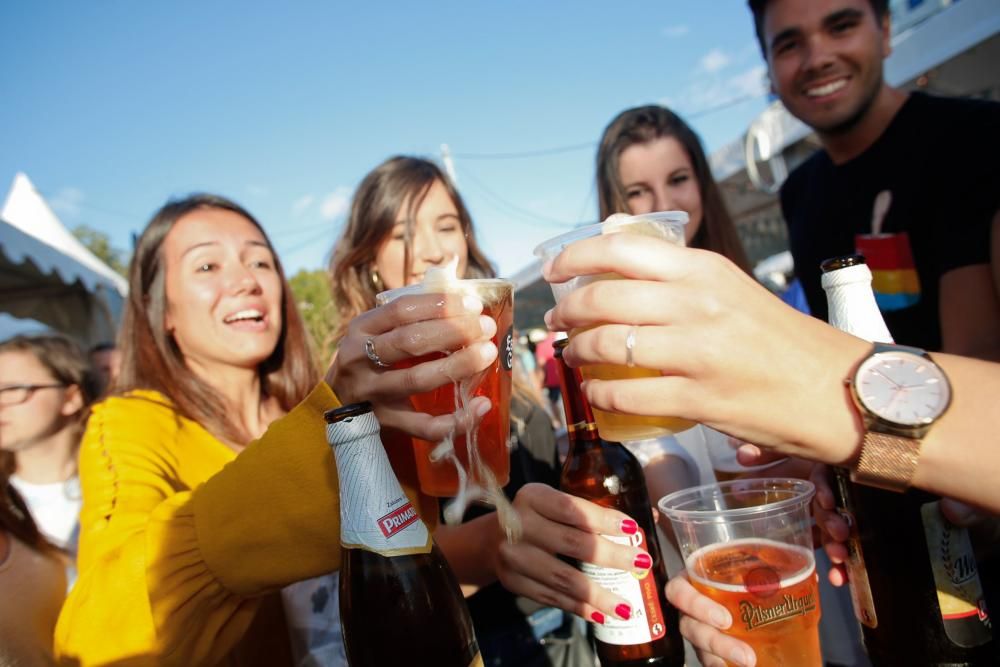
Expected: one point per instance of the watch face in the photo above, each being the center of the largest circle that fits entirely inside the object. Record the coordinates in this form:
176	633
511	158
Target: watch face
903	388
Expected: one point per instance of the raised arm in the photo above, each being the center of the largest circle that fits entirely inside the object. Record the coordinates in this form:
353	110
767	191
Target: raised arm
737	359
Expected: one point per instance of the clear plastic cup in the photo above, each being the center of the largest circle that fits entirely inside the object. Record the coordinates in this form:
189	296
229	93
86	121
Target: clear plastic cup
722	451
436	468
665	225
747	544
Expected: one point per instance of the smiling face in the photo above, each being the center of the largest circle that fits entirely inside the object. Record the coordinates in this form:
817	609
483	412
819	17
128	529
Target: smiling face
437	238
43	413
658	176
825	59
223	291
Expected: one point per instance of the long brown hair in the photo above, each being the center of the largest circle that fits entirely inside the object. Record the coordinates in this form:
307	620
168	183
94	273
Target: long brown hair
398	181
645	124
65	362
151	358
16	520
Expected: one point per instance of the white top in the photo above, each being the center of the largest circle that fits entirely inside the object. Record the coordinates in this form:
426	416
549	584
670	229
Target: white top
688	445
55	508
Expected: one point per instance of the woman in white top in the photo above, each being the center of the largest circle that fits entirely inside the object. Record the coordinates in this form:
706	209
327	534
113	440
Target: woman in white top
45	393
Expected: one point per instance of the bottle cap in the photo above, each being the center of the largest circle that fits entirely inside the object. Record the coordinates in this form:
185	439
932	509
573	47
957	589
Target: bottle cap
834	263
346	411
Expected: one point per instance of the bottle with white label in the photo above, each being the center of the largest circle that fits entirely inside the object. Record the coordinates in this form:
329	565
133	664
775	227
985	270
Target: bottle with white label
913	576
607	474
399	600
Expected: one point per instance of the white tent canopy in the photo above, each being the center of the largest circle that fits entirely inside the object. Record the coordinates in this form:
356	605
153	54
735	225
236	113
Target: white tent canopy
46	274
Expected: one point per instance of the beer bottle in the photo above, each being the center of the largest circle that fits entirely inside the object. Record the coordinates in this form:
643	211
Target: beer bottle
608	474
905	559
400	603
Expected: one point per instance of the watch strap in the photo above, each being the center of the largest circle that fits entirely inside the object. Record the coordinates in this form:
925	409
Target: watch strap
887	461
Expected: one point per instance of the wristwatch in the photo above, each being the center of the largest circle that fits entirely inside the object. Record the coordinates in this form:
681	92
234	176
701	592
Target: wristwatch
900	392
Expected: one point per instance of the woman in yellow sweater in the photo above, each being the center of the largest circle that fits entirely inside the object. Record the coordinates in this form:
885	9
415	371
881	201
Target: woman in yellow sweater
187	535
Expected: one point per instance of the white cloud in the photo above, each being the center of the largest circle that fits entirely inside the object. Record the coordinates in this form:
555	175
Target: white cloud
256	190
67	202
301	204
335	203
714	60
676	30
711	92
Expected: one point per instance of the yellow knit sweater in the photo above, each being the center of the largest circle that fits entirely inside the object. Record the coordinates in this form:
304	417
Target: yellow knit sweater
184	545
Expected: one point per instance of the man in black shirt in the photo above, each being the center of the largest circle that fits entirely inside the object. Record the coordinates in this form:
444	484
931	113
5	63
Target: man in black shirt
907	179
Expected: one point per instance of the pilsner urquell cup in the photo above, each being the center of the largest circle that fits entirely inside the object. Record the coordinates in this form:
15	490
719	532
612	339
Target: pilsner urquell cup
437	474
747	544
665	225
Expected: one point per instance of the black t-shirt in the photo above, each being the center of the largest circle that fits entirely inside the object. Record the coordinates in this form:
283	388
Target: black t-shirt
939	160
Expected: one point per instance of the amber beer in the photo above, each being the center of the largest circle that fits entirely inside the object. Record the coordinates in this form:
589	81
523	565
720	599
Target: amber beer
608	474
621	427
663	225
748	545
400	603
437	474
771	590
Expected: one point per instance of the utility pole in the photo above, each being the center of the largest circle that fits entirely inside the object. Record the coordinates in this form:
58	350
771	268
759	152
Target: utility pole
449	164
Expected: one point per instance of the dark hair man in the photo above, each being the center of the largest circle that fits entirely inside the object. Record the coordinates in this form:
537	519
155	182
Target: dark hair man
904	178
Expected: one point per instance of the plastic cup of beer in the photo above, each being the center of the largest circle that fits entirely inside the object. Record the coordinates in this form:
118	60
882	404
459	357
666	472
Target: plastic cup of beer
436	472
722	451
664	225
747	544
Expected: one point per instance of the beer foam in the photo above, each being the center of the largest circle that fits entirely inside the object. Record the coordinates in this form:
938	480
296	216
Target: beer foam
442	277
469	492
786	582
637	224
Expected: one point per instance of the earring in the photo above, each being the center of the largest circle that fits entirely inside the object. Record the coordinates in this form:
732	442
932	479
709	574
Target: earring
376	280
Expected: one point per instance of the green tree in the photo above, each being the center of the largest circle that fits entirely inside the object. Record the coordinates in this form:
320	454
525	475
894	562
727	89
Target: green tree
99	243
312	295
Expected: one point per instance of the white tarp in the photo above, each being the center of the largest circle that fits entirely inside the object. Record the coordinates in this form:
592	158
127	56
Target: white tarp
47	275
26	209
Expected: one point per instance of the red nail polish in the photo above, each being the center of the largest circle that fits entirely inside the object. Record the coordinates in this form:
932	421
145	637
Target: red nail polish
643	562
597	617
624	611
629	527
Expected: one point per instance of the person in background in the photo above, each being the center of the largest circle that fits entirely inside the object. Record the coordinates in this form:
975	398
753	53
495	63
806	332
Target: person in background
33	581
105	362
875	188
407	217
548	371
649	160
208	484
46	389
712	313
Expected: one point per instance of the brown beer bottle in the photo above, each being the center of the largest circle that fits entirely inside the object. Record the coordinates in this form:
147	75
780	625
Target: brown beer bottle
400	603
608	474
913	576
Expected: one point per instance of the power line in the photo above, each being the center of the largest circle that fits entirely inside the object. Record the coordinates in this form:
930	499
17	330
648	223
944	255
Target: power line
303	244
524	154
593	144
502	203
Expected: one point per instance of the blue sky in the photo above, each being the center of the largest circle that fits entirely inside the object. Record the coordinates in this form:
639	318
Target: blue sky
114	106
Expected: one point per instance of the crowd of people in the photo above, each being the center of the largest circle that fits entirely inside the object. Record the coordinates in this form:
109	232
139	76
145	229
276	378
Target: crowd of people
171	498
